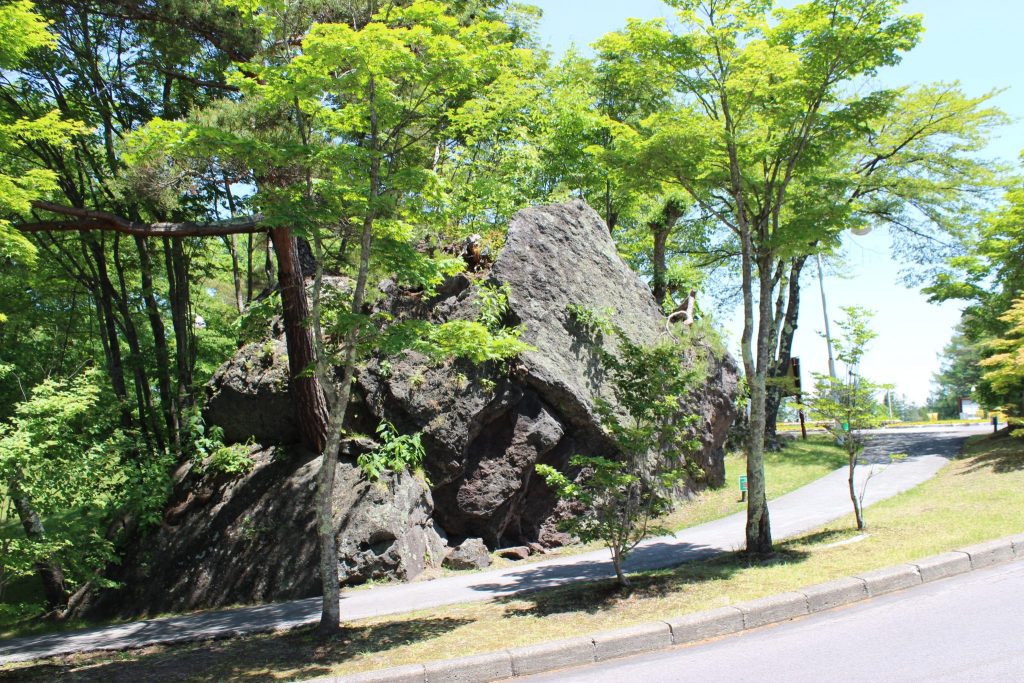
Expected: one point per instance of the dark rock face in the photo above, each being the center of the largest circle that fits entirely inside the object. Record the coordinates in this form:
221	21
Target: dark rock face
485	430
561	255
253	538
248	396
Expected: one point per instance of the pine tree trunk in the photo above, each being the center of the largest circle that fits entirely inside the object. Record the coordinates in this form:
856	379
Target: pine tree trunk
309	396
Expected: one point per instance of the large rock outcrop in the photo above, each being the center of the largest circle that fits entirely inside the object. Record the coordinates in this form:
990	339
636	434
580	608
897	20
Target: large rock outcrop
253	538
484	429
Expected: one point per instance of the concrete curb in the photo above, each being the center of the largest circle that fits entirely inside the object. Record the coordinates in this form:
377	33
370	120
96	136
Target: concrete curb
693	628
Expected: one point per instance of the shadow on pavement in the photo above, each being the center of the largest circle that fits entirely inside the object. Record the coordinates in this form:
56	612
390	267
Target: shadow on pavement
600	595
299	654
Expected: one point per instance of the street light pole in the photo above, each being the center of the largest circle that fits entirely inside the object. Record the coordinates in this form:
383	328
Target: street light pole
824	310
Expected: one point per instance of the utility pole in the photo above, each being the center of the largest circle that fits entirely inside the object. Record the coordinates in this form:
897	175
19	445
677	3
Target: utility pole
824	310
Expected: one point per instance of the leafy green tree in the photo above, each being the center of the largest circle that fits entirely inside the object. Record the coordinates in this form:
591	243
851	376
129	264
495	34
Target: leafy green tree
347	157
959	376
989	276
764	103
848	405
66	466
618	497
1004	367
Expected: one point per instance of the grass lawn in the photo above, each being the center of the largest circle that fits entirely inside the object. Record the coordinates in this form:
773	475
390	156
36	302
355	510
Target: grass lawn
974	499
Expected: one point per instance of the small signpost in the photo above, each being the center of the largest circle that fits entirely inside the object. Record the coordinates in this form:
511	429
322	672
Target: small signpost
794	375
743	487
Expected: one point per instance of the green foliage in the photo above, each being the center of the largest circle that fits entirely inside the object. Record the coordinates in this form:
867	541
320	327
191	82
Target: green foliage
595	324
396	453
848	405
64	454
231	460
959	375
615	503
1004	368
617	499
493	302
25	30
989	275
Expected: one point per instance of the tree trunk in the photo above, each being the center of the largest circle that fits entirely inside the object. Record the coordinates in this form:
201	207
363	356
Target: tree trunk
148	423
619	574
784	352
163	356
108	328
232	244
758	530
330	615
49	571
182	319
659	264
248	268
857	511
231	241
310	403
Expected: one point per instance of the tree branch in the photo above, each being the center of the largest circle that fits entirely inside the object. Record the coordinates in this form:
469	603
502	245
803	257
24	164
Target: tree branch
88	219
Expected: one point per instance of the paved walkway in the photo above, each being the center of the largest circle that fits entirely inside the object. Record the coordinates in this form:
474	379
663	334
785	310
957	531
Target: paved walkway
809	507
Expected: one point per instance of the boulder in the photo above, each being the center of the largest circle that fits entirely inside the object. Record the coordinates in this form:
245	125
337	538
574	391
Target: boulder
470	554
249	396
515	553
484	428
253	538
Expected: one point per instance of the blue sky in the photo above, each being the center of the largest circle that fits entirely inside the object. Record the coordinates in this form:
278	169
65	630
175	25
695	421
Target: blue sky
977	43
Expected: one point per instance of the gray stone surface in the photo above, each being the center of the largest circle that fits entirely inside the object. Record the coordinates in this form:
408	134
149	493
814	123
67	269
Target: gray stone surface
888	579
253	538
691	628
628	641
485	429
772	609
825	596
492	666
470	554
248	396
991	553
533	659
943	565
564	254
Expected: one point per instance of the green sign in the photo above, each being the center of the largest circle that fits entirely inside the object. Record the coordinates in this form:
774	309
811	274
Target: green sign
743	483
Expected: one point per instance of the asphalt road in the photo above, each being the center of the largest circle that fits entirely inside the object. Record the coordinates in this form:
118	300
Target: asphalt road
966	628
811	506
